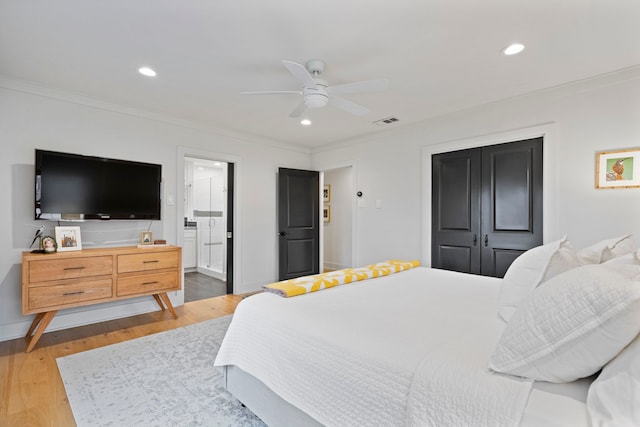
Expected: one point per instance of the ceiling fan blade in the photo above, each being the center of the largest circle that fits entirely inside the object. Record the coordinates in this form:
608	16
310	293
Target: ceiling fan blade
300	72
363	86
348	106
273	92
298	110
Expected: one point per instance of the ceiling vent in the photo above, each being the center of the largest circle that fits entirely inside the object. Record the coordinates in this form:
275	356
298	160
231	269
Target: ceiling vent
387	121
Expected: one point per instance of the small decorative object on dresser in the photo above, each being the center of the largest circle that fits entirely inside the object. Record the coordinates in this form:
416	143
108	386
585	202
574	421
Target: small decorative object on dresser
146	238
618	169
68	239
48	244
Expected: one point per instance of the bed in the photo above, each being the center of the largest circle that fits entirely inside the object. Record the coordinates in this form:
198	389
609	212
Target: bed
410	348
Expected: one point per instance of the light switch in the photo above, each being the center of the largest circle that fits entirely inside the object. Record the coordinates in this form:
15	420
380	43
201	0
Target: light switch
378	204
361	202
170	200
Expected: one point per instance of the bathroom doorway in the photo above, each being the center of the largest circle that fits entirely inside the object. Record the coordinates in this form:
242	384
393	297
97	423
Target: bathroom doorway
207	233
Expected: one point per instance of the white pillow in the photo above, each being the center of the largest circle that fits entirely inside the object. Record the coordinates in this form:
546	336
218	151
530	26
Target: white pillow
572	325
532	268
632	258
614	397
607	249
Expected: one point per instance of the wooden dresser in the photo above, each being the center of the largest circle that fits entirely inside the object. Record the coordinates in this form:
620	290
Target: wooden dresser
51	282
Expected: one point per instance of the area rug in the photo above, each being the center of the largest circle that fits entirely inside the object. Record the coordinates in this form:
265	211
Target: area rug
165	379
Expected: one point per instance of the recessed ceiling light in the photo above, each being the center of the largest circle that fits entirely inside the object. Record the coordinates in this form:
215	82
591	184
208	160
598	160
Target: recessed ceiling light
146	71
305	122
513	49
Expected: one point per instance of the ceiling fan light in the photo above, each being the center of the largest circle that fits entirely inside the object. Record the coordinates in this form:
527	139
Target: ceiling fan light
316	100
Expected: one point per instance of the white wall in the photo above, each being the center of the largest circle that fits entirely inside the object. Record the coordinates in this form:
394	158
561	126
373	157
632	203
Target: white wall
32	117
595	115
337	232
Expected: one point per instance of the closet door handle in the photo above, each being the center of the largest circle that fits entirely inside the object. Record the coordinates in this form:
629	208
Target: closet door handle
475	240
486	240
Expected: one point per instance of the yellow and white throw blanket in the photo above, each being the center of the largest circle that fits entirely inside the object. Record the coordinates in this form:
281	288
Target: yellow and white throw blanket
316	282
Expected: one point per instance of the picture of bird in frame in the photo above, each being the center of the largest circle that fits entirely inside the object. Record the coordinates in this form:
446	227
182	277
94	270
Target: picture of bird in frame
616	170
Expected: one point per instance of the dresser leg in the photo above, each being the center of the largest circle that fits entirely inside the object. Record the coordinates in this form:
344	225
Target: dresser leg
167	302
159	301
39	324
34	324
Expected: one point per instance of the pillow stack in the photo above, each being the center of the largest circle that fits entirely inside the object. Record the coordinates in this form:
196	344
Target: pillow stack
572	325
571	314
607	249
531	269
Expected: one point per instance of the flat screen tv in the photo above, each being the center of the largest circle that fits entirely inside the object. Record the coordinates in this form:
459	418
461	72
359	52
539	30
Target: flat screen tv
76	187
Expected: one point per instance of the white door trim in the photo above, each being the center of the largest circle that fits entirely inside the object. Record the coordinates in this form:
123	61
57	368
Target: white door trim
183	152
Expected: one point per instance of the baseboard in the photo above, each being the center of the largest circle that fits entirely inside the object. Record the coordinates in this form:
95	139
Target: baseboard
82	316
331	266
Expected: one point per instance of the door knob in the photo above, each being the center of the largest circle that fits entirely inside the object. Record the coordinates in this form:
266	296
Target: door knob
282	233
475	240
486	240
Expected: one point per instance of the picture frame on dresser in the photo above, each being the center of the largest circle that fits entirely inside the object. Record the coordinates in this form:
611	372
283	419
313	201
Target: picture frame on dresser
48	244
146	238
68	239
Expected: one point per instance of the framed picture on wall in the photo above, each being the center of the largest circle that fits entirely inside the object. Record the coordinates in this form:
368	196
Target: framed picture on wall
326	213
326	193
68	239
618	169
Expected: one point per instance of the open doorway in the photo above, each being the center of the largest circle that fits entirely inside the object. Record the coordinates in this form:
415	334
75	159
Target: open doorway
207	214
338	218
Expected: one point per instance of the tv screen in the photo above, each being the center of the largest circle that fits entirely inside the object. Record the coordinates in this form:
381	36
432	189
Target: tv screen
77	187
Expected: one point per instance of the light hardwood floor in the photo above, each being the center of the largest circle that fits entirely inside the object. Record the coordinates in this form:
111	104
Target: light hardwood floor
31	390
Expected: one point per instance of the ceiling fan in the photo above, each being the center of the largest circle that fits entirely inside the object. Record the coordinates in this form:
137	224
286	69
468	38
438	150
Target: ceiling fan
316	92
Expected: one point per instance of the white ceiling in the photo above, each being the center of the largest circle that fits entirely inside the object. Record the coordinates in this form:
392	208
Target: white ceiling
439	55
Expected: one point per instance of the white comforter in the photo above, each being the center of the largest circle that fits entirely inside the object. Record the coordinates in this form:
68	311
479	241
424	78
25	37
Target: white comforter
406	349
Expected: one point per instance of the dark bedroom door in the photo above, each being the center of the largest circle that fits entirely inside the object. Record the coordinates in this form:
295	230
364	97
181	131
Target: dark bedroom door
298	223
486	206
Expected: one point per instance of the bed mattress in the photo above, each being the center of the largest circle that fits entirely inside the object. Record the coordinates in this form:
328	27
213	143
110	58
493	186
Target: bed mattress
406	349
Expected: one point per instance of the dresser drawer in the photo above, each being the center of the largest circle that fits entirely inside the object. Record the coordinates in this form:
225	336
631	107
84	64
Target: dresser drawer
147	261
69	294
46	270
148	283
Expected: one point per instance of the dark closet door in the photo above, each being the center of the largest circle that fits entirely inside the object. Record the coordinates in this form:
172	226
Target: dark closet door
455	206
511	203
487	206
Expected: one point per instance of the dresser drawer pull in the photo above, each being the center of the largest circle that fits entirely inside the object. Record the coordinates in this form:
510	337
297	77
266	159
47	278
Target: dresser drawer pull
147	262
66	294
150	283
74	268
